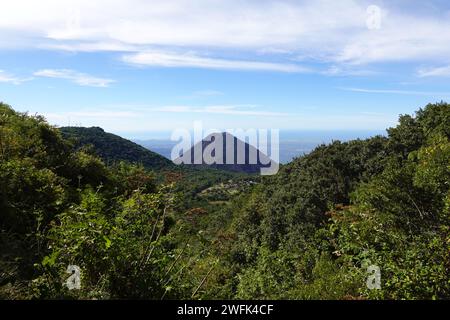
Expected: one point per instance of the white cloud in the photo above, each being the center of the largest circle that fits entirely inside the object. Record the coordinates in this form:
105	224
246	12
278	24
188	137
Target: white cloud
79	78
140	118
225	110
207	93
90	47
335	70
402	92
8	78
188	60
434	72
322	30
92	114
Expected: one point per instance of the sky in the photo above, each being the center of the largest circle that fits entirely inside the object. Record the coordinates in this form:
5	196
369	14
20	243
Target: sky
139	67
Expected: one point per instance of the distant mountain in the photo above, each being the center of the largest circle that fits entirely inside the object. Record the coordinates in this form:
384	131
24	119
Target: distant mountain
111	147
293	143
162	147
289	149
243	166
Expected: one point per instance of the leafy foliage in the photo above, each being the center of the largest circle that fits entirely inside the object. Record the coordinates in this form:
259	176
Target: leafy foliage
310	232
112	148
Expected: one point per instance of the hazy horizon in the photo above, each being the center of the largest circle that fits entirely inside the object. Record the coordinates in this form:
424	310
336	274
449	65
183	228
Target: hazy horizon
293	143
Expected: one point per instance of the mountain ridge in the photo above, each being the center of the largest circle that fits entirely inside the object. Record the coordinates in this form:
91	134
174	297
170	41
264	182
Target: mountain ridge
111	147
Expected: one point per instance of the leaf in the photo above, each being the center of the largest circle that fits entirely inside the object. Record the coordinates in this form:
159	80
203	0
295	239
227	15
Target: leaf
50	259
107	242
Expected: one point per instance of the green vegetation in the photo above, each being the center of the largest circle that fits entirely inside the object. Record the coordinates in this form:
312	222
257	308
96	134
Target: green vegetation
138	227
310	231
112	148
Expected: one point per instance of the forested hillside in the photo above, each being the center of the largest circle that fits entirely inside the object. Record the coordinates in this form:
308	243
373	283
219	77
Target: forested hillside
311	231
308	232
112	148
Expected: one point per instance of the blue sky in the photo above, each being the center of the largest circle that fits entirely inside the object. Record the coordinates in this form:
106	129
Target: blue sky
134	67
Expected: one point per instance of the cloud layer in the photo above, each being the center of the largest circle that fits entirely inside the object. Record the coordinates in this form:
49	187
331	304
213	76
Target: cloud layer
224	110
9	78
435	72
164	59
234	34
402	92
79	78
